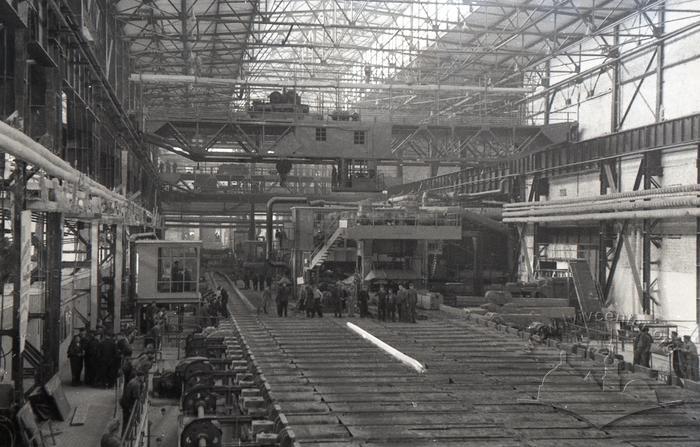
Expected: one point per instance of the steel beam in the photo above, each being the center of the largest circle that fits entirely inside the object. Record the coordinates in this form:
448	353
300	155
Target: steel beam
54	252
304	83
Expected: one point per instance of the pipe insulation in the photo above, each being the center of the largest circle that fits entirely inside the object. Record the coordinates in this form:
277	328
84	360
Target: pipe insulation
398	355
614	196
609	203
643	214
679	202
24	148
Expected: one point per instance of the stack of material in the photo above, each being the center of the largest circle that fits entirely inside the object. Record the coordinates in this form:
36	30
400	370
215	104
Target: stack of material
520	311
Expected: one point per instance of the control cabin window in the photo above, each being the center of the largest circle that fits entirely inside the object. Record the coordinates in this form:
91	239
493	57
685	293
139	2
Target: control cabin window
359	137
320	134
177	269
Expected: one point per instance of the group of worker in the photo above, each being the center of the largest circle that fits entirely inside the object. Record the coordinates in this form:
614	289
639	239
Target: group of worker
683	352
99	355
281	291
393	301
684	356
256	281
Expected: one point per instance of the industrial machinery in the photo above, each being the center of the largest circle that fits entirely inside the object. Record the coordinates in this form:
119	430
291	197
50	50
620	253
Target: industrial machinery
221	397
288	102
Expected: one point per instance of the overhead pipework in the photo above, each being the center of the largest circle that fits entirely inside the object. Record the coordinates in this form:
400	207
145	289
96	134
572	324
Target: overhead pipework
660	203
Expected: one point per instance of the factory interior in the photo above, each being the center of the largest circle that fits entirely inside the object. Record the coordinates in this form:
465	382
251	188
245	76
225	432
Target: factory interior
350	223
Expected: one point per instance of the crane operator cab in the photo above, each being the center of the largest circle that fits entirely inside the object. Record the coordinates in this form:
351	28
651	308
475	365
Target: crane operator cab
351	175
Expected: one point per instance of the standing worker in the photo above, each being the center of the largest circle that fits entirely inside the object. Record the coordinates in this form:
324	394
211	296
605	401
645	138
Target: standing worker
642	347
411	301
381	303
337	300
391	304
316	306
224	301
675	345
92	358
266	298
109	361
76	352
690	352
401	303
363	299
282	300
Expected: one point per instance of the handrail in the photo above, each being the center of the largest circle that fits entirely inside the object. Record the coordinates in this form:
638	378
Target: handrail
131	432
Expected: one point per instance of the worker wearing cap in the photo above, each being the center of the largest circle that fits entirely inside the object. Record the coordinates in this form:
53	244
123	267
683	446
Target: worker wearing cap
690	354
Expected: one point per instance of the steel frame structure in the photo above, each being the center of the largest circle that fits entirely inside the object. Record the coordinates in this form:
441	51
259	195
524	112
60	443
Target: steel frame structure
322	44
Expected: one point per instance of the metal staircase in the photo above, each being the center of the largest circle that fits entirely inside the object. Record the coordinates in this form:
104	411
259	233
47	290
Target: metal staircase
320	255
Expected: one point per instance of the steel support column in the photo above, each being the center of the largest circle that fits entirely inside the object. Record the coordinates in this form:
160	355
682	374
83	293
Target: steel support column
118	275
615	89
697	250
93	308
646	247
54	252
660	60
251	223
18	197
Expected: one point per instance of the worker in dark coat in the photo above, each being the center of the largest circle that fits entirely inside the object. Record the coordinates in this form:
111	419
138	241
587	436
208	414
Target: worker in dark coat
676	345
75	355
382	303
363	300
391	304
642	347
131	395
401	299
337	301
109	362
690	354
412	302
224	300
282	300
92	358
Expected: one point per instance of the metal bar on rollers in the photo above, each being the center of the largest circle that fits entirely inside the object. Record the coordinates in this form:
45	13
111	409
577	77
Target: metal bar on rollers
398	355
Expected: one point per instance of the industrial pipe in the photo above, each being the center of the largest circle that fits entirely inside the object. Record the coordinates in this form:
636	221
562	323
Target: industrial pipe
135	236
398	199
502	187
602	201
614	196
24	148
643	214
680	202
309	83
